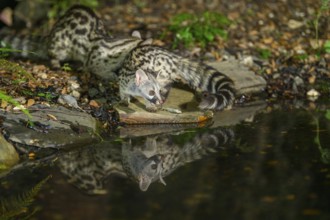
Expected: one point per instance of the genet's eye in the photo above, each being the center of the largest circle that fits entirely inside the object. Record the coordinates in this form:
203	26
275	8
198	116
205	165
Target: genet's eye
151	92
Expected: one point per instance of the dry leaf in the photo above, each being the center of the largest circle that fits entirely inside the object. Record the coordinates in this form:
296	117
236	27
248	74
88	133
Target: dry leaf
30	102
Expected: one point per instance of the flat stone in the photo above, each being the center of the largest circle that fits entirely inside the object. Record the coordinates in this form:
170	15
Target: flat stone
245	80
63	127
178	98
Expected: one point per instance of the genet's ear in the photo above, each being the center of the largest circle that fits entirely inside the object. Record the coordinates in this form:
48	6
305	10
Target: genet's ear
144	183
140	76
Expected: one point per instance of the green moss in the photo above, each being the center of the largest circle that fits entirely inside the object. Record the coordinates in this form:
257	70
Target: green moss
264	53
15	69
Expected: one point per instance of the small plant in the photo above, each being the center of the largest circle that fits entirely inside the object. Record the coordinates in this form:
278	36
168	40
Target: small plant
264	53
327	114
325	152
48	96
66	67
325	6
326	46
11	100
202	29
16	206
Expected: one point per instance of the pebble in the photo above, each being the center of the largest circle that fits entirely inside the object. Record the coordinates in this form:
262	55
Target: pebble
19	107
74	85
313	93
248	61
76	94
43	75
294	24
298	81
68	100
92	92
21	100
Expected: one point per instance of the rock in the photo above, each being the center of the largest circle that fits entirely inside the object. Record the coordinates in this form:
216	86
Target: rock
248	61
92	92
68	100
244	79
294	24
297	82
312	94
8	154
64	129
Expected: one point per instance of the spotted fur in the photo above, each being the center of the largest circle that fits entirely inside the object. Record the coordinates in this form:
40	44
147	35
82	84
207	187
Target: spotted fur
79	35
216	89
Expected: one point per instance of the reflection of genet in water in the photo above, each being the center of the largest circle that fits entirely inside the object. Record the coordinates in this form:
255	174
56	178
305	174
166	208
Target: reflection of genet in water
159	156
145	160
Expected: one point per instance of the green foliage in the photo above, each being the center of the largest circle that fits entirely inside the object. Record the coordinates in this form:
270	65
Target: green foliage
325	6
9	99
327	114
46	95
264	53
325	152
15	207
66	67
202	29
301	57
59	6
5	50
326	47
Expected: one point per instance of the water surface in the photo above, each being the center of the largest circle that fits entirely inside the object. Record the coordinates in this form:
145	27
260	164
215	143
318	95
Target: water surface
274	165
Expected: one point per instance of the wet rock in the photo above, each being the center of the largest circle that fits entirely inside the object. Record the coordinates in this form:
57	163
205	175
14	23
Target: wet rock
246	81
52	128
8	154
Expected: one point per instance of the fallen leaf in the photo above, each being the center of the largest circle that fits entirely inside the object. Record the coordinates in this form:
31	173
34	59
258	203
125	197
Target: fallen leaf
93	103
30	102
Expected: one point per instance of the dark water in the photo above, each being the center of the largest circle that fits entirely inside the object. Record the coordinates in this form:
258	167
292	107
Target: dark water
276	165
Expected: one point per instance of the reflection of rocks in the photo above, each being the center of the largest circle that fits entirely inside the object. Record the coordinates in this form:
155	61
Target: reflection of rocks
146	160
